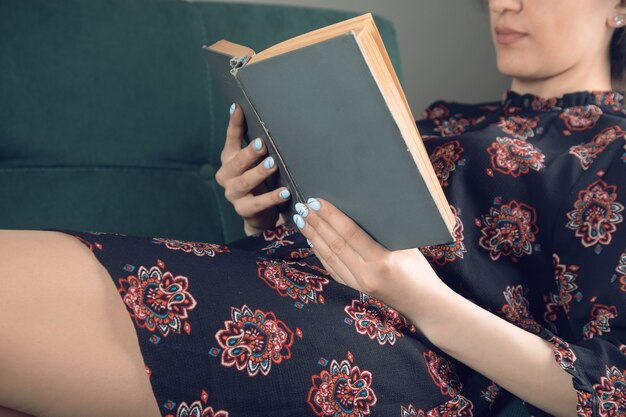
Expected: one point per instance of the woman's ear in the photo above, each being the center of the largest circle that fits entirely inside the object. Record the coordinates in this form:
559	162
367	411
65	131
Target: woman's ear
617	17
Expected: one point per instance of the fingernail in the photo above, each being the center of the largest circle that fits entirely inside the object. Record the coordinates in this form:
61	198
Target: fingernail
284	194
299	221
233	107
302	209
269	162
309	243
257	144
314	203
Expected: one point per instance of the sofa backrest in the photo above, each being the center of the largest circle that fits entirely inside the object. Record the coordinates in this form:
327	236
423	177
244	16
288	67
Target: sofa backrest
108	117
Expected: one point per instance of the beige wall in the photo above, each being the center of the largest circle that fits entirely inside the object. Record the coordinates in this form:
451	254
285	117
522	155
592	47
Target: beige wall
445	47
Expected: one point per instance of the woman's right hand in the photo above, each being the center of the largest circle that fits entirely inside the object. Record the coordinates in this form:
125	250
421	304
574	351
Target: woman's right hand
239	177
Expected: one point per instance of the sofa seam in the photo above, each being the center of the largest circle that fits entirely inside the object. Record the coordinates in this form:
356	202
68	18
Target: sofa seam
195	170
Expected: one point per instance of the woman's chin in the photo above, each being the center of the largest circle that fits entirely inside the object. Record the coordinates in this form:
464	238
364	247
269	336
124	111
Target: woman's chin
514	70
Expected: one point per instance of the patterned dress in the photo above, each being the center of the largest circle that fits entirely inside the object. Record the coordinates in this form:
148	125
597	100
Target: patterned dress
257	328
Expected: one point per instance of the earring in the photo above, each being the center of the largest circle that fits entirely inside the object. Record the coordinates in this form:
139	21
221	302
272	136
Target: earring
618	20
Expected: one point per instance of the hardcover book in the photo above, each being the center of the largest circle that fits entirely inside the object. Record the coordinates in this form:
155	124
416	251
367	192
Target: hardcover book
331	111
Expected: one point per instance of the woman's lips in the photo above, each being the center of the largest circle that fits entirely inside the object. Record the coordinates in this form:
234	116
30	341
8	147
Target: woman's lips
507	36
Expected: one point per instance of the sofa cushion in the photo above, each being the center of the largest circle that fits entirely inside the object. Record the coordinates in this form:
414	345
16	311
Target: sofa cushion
108	117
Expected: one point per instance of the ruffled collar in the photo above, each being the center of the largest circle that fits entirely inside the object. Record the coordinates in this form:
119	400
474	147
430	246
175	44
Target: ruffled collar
514	102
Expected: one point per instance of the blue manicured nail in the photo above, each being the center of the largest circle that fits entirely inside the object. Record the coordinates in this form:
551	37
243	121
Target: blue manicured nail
269	162
302	210
314	204
233	107
309	243
284	194
299	221
257	144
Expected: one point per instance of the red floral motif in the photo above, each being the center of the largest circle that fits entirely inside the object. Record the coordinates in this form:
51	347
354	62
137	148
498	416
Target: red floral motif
584	407
90	245
274	245
157	300
508	229
302	253
291	282
612	393
440	254
565	276
491	393
621	270
596	214
563	354
543	104
278	233
196	409
443	373
510	109
454	126
345	391
552	301
515	156
518	126
459	406
599	321
253	341
587	152
438	111
198	248
517	310
608	98
277	237
444	159
581	117
410	411
376	319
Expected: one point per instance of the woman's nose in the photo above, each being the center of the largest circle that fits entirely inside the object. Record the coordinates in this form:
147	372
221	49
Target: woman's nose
501	6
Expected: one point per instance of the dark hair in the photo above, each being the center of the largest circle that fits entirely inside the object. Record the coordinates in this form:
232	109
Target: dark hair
617	52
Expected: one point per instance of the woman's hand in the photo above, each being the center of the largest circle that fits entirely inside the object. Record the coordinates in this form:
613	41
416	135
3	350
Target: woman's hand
403	279
243	181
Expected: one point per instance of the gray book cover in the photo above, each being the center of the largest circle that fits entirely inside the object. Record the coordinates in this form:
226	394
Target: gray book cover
338	140
222	69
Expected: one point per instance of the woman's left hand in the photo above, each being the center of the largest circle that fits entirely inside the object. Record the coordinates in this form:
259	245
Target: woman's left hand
403	279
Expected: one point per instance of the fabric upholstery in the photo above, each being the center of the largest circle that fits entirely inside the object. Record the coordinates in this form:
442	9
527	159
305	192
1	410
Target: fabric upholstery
108	116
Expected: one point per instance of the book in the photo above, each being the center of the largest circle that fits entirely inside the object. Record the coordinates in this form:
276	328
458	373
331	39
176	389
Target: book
330	109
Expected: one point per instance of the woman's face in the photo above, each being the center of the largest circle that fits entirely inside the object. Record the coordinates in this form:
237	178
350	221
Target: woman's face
539	39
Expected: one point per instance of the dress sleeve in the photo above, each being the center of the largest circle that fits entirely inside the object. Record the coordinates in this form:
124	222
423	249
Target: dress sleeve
589	258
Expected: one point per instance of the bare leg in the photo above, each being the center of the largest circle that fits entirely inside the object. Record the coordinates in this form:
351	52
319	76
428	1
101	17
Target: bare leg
5	412
67	345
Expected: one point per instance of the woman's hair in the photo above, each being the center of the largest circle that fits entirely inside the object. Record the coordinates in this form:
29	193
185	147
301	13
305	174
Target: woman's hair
617	52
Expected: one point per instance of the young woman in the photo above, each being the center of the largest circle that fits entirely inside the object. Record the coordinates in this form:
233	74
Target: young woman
526	301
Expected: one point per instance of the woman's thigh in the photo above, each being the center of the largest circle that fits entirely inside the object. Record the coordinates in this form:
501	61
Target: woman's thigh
67	345
5	412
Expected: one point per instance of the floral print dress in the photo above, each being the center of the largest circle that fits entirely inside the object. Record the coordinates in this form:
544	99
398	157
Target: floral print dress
257	328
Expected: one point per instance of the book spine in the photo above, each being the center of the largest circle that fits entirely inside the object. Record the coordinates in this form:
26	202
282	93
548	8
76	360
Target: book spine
236	64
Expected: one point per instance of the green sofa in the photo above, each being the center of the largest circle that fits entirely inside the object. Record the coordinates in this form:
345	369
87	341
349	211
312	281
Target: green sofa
109	120
108	117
